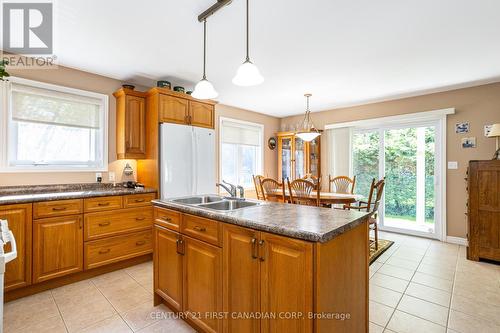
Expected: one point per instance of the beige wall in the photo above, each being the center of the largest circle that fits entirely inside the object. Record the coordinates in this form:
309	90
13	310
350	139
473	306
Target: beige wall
478	106
80	80
271	126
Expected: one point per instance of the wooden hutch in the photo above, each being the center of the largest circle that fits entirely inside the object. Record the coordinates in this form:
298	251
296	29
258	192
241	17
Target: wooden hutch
297	158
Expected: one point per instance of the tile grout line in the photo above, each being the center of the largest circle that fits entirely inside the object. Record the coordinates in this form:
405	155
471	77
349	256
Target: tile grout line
59	310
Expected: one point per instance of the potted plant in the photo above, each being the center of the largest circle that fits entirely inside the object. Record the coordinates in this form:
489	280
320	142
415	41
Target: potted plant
3	72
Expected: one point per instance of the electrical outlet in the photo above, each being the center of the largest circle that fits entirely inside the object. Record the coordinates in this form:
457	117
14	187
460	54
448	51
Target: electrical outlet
111	176
98	177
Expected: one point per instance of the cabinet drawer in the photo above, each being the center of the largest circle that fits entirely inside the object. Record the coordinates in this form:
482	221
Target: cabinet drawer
112	223
113	249
137	200
167	218
202	229
57	208
102	203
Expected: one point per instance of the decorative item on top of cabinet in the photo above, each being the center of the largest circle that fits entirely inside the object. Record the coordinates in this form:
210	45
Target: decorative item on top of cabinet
130	124
297	158
484	210
18	271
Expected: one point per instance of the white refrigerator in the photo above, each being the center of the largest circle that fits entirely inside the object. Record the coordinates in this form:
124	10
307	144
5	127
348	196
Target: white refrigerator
187	161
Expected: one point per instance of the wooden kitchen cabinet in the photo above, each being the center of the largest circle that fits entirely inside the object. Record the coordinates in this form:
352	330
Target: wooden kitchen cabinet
241	281
173	109
57	247
168	265
201	114
202	283
130	124
286	282
18	271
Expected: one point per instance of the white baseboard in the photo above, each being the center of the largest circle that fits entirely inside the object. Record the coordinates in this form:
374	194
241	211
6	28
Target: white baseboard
456	240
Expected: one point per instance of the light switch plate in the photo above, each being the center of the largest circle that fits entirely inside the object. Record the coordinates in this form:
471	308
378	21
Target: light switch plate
111	176
452	165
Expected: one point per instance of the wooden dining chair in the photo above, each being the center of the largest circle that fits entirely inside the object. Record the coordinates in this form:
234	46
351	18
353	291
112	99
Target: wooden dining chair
300	192
371	206
258	189
272	190
341	184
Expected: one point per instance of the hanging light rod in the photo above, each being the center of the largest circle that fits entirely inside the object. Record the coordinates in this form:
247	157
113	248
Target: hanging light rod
213	9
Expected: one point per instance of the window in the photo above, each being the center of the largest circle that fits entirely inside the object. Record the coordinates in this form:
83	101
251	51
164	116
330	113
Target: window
240	151
50	128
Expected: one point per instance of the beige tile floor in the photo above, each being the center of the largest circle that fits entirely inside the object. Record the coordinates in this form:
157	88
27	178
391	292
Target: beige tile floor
418	285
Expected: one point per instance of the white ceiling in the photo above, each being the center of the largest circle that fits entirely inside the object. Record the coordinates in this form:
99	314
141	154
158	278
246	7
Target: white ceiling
343	52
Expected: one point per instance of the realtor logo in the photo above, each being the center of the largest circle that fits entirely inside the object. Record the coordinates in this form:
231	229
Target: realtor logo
28	28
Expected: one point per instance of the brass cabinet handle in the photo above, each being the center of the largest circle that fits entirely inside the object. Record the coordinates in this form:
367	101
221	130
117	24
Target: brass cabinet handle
80	223
104	224
198	228
166	218
180	246
141	218
104	251
139	200
103	204
254	248
57	209
261	244
139	243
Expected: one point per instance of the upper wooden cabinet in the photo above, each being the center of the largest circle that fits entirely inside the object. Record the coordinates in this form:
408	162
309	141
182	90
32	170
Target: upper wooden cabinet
178	108
130	124
297	158
18	271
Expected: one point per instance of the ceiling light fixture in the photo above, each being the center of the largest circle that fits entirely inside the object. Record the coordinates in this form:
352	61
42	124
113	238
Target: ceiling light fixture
204	89
248	74
307	131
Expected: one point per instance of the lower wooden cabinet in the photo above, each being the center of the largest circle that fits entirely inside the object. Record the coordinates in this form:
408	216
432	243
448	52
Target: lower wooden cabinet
57	247
241	278
18	271
286	283
168	264
202	283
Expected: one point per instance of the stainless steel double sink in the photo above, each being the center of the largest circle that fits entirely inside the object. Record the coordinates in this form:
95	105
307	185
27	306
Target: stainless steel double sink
216	202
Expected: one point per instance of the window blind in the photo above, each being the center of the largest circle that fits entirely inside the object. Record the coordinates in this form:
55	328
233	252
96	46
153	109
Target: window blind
238	133
45	106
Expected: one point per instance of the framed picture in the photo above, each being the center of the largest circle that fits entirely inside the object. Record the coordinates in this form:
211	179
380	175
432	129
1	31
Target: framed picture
487	130
462	128
469	142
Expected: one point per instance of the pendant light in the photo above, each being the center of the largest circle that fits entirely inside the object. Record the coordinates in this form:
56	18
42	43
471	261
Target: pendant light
307	131
204	89
248	74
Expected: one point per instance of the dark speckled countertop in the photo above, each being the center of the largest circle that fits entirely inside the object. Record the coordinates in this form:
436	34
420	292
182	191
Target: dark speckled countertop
34	193
303	222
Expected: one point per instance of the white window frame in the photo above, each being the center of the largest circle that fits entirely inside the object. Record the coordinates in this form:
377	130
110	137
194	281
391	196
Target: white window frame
435	117
6	130
261	144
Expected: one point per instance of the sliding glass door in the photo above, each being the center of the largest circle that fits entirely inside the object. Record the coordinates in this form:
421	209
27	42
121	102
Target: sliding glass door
406	157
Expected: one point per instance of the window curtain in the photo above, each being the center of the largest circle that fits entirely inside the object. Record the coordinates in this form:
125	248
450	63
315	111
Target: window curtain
339	148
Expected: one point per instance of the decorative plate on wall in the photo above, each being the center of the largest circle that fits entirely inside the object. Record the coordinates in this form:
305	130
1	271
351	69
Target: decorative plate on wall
271	143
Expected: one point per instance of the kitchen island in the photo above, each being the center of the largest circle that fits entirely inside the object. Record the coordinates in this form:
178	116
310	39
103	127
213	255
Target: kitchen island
267	267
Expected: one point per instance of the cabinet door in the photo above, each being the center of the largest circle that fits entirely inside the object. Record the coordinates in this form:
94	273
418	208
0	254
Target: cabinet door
286	158
241	278
135	127
286	283
57	247
201	114
313	160
202	283
168	266
173	110
18	271
300	158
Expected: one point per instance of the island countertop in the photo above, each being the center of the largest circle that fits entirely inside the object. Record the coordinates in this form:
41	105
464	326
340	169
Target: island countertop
35	193
308	223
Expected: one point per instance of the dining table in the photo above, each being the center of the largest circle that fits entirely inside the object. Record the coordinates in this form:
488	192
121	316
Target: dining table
325	198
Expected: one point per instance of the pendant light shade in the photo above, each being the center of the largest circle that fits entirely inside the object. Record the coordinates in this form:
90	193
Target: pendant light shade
248	74
307	131
204	89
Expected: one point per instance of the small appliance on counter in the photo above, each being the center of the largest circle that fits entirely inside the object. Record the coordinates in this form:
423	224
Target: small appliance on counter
132	184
